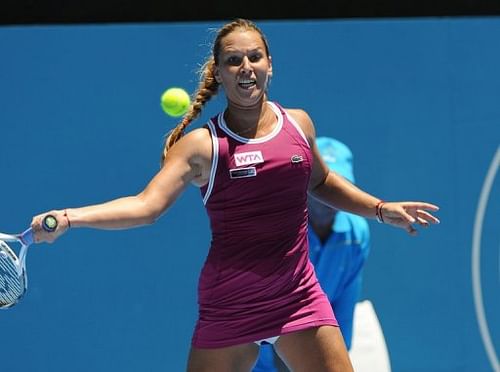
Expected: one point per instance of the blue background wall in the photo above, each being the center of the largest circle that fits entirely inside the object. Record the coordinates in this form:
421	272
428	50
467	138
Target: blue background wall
418	101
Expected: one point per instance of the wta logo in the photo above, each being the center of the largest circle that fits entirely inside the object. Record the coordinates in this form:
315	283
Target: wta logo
246	158
485	258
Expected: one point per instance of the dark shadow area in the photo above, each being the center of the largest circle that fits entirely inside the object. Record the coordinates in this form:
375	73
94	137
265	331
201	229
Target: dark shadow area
119	11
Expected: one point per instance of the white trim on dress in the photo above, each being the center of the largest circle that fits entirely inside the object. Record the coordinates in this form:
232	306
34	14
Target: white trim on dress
215	160
268	137
297	126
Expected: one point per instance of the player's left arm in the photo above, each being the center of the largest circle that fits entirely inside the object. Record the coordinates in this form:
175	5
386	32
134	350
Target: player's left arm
336	191
328	186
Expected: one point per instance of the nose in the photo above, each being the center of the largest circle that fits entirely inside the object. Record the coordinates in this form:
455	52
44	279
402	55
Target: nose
246	66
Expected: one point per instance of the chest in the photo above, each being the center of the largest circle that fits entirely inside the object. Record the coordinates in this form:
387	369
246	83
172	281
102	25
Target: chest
273	163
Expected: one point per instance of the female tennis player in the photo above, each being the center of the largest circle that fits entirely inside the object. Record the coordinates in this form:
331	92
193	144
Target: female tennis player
254	163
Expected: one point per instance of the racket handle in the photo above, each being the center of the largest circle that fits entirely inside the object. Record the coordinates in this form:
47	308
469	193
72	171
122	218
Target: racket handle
49	223
27	237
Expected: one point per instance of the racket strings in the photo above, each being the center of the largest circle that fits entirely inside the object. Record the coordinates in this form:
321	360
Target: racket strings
11	284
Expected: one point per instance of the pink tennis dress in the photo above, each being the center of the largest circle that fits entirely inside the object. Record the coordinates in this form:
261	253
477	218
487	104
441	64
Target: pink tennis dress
257	281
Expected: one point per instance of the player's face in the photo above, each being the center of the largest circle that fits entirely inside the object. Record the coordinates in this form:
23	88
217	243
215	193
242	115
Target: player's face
244	67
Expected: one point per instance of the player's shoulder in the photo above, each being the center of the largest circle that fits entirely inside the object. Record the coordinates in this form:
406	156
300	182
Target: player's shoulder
194	145
194	148
302	118
299	114
196	138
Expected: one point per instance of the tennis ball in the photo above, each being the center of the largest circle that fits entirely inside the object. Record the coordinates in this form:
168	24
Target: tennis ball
175	102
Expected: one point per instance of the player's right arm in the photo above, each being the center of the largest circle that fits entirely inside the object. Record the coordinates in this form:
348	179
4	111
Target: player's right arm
188	161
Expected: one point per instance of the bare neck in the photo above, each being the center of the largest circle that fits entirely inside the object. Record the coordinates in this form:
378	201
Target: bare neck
248	120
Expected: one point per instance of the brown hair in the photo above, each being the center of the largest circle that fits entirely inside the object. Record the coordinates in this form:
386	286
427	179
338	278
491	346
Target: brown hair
208	86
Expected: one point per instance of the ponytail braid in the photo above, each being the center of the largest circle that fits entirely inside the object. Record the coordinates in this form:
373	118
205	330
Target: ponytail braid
207	88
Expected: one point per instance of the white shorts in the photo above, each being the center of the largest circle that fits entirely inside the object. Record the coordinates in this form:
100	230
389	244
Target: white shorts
270	340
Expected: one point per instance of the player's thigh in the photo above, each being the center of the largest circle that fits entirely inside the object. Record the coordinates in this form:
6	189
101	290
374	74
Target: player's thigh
319	349
239	358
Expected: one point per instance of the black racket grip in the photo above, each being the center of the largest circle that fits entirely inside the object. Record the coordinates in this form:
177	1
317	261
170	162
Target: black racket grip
49	223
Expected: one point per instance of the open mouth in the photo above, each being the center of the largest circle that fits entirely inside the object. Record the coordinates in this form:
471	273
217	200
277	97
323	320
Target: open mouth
247	83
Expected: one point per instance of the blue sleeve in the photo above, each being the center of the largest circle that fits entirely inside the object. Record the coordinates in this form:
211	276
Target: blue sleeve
343	307
345	299
364	238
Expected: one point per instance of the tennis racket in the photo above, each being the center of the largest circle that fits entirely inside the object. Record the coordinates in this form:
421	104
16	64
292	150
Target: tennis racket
13	278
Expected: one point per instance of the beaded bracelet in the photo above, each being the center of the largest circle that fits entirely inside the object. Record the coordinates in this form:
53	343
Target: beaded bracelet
378	211
67	218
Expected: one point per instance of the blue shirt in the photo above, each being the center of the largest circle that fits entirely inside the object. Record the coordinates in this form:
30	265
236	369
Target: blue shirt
338	264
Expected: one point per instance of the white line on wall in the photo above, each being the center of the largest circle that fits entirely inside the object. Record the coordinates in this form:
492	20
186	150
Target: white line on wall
476	264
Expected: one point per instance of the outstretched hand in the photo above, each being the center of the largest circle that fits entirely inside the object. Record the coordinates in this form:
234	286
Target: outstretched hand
40	235
407	215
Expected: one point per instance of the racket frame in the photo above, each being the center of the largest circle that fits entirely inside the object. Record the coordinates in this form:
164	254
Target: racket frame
19	262
49	224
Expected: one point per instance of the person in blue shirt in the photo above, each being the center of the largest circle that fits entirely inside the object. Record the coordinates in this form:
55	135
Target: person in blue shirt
339	244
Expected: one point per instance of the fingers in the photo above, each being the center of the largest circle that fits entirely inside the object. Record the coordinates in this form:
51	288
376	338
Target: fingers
419	214
408	218
424	217
40	234
411	230
36	226
409	215
420	205
422	222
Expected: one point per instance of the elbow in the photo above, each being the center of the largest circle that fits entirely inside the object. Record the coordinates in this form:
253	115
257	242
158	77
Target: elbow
149	220
313	190
151	217
146	212
316	187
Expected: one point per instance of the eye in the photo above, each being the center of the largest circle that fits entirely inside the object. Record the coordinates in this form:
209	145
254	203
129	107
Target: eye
255	57
233	60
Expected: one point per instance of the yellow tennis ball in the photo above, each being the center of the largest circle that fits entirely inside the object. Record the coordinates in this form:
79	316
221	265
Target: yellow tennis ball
175	102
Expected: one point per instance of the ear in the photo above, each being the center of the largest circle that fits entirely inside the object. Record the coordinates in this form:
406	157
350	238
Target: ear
217	75
270	69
